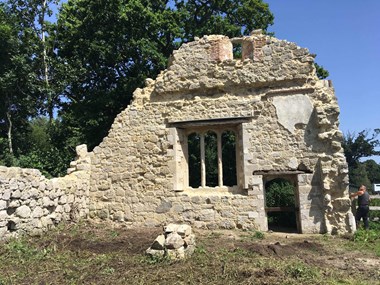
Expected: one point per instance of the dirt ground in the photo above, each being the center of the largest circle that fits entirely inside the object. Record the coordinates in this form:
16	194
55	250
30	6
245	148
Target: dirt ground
98	254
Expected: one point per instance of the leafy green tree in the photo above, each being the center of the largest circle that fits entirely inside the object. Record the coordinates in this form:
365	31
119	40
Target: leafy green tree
49	150
111	47
357	147
34	31
372	170
27	82
361	145
321	72
17	84
230	18
358	176
280	193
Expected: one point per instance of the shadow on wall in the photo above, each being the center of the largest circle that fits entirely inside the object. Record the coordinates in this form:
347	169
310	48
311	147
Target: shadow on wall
316	198
312	130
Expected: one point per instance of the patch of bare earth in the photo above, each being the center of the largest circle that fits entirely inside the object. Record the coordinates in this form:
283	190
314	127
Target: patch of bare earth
103	254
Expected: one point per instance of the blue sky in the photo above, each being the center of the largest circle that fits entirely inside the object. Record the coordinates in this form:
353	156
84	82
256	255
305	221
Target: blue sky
345	35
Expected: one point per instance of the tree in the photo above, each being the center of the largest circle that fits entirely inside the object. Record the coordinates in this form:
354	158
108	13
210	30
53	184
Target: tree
110	47
96	55
321	72
49	150
230	18
373	171
28	88
357	147
34	31
17	83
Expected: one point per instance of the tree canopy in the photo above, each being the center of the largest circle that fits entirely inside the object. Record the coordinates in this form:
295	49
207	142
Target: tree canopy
111	47
62	83
81	70
358	147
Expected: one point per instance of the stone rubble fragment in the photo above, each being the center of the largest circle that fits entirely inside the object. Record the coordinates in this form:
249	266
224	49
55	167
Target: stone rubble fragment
177	242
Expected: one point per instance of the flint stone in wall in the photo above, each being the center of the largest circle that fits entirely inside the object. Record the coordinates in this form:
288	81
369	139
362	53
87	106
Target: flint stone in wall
38	212
46	222
63	200
66	208
3	215
3	204
103	214
23	212
46	202
13	185
16	194
207	215
14	204
164	207
7	194
226	224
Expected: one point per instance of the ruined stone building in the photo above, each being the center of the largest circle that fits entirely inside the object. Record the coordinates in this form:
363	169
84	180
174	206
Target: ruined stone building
264	116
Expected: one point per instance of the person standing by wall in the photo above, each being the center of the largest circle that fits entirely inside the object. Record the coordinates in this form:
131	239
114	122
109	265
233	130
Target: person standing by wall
363	206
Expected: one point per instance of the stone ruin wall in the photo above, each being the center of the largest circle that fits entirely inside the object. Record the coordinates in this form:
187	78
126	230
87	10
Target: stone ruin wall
139	171
32	204
286	122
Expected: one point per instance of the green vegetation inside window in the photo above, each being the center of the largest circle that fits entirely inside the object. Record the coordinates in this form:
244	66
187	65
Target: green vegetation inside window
280	193
211	159
194	149
204	167
229	158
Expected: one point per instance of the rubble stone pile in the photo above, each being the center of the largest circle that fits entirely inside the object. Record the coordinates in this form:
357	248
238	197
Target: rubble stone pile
177	242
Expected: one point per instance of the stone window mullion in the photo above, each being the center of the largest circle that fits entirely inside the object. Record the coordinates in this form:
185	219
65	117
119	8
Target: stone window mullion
220	162
203	160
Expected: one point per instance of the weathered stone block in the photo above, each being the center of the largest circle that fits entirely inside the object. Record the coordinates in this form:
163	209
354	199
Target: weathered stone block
159	243
3	205
174	241
164	207
184	230
23	212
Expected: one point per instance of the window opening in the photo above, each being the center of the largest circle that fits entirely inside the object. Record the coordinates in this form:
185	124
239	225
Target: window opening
212	159
237	50
194	153
229	158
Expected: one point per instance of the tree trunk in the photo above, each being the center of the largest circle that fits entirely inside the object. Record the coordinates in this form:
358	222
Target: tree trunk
45	62
9	117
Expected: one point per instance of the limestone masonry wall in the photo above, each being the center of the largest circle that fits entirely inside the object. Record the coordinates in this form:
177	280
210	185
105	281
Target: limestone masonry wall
30	203
286	125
